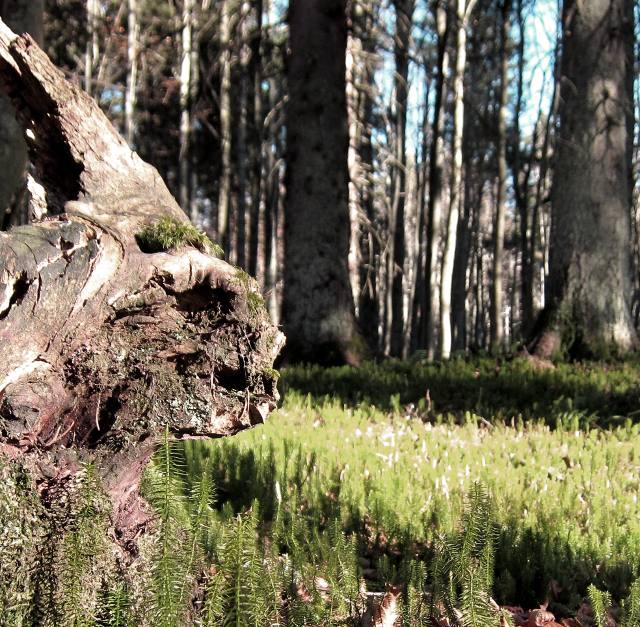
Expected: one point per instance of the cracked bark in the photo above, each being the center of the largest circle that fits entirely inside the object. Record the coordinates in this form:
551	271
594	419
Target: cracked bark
103	344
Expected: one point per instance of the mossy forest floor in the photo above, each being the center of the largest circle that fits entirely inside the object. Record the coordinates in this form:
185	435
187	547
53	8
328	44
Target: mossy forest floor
388	452
451	483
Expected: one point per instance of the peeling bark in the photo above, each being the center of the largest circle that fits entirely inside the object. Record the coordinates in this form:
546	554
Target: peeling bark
103	344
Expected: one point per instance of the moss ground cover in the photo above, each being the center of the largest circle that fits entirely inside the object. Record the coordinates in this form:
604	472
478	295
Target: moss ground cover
558	449
442	485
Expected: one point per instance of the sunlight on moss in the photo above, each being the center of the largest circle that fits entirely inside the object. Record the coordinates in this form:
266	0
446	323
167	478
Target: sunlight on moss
170	234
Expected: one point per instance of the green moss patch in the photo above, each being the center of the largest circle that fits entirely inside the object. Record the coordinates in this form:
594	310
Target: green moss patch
170	234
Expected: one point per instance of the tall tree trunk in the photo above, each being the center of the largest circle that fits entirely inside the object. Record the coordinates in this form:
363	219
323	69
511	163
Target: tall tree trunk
255	145
588	304
241	152
91	48
133	38
497	287
418	311
521	188
463	10
23	16
404	22
184	169
224	193
272	185
460	266
369	240
318	310
435	178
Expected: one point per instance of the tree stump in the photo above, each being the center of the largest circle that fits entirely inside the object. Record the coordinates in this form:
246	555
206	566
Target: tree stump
107	342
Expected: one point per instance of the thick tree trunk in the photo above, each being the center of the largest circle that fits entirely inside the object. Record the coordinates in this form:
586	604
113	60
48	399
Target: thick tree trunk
588	304
105	344
318	308
24	16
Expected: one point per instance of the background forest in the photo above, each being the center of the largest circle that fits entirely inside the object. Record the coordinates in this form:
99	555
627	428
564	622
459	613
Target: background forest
441	241
443	193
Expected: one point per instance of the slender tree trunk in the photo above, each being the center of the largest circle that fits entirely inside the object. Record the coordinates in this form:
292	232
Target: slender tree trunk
420	292
369	240
435	179
22	16
256	130
241	151
224	193
133	38
463	9
185	103
588	300
521	188
272	184
404	22
460	266
497	287
91	49
318	308
357	176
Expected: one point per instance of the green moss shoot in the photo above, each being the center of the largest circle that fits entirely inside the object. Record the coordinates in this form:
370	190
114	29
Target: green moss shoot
170	234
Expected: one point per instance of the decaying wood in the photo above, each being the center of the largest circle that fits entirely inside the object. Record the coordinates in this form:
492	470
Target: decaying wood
103	344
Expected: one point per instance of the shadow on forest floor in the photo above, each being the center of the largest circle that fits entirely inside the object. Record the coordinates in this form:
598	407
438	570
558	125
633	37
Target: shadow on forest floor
532	566
595	393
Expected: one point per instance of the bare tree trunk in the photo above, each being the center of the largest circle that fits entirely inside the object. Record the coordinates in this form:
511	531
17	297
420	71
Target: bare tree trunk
91	49
460	266
241	152
420	303
463	10
588	304
497	287
404	21
224	193
184	177
255	144
92	303
318	309
521	188
357	176
435	178
369	236
22	16
273	152
133	39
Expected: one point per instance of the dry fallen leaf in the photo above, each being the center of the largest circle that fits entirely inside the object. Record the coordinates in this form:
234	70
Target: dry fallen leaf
541	618
387	614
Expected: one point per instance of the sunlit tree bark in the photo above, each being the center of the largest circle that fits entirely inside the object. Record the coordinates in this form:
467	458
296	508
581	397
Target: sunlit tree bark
588	305
497	287
435	179
133	41
463	10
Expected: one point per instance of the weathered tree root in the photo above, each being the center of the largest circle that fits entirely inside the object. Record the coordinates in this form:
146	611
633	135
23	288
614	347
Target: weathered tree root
104	345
